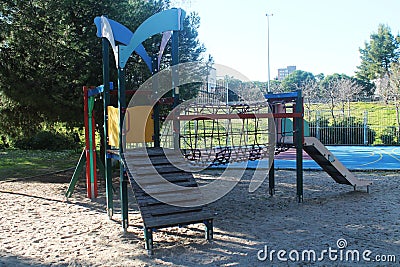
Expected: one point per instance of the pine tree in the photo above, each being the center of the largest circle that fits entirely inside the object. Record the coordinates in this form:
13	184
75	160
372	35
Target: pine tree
378	54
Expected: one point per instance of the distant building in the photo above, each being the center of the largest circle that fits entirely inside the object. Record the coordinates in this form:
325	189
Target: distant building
283	73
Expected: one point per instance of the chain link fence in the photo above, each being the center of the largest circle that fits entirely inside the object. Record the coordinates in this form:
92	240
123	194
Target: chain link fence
377	126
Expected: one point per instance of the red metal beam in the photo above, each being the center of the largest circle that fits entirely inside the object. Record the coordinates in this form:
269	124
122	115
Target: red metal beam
238	116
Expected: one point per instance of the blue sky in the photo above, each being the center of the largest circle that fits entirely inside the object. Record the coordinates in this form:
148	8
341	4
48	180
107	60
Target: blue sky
319	36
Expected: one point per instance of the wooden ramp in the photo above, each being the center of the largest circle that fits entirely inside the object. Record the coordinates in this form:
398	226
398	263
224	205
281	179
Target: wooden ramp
155	180
329	163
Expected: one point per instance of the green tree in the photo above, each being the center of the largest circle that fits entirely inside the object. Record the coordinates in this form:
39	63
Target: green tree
275	86
377	55
49	50
295	80
339	90
190	50
395	90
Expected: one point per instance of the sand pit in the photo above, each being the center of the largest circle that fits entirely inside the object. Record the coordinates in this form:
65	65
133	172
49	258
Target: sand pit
38	227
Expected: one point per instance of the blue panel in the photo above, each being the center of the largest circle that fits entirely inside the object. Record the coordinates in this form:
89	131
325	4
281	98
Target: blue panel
97	21
96	91
168	20
113	156
281	95
121	33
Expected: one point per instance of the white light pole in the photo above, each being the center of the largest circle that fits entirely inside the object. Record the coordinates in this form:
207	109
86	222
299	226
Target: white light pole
269	77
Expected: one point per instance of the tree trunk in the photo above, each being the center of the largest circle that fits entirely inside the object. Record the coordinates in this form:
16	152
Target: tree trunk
332	109
397	105
348	108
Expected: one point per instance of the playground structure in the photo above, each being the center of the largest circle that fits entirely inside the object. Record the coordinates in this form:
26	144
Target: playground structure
89	156
155	214
296	134
205	133
203	141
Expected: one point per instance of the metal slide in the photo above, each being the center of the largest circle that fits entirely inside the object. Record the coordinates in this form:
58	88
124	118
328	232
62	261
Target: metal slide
330	164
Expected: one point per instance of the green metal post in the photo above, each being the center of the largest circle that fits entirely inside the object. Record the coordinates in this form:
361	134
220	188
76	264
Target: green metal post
156	108
209	232
148	237
271	154
92	153
122	140
106	103
299	146
77	173
175	80
271	176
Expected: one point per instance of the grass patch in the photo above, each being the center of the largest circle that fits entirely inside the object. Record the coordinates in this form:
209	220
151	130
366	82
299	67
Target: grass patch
15	163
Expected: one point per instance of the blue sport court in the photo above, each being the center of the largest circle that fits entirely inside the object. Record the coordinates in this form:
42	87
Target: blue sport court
352	157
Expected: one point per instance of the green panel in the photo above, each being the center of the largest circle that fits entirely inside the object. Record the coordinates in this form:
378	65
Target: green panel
287	127
306	128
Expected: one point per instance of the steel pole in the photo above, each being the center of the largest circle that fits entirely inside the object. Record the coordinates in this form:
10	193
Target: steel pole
269	72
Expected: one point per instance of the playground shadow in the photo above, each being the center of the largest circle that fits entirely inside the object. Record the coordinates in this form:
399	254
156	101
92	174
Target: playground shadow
11	260
61	181
59	177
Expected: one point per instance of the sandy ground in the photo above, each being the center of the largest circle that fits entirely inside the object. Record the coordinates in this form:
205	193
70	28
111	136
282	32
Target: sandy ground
39	228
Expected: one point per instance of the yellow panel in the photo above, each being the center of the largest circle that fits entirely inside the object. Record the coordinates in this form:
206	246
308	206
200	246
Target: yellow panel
113	129
139	125
140	128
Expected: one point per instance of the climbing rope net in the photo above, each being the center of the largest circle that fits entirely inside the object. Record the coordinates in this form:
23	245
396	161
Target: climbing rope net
212	132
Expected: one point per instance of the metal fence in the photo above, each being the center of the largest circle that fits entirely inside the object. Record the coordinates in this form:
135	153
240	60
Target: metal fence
377	126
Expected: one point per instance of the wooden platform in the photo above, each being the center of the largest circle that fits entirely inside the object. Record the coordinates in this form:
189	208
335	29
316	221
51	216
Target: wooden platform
154	178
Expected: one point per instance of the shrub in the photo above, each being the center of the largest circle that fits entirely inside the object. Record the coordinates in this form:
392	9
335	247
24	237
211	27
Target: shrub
47	140
390	136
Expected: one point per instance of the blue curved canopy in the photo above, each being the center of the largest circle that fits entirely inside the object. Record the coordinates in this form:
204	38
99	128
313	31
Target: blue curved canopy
168	20
116	32
124	42
120	33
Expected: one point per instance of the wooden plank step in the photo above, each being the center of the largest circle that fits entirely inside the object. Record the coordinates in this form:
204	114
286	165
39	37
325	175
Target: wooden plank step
161	210
146	189
177	219
167	175
172	178
150	201
157	161
159	169
149	152
172	198
167	188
